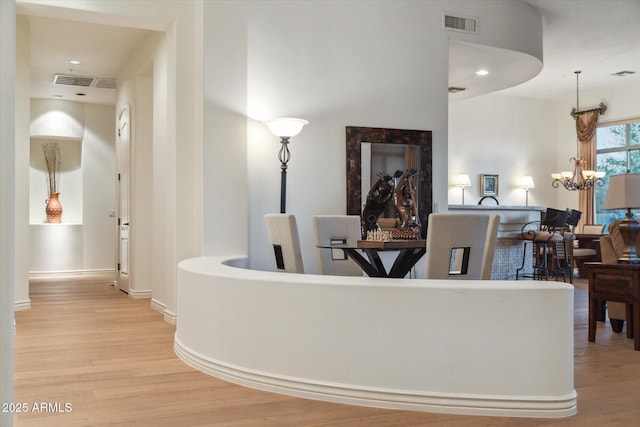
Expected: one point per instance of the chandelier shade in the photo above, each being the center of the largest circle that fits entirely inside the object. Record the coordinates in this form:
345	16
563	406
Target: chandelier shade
577	179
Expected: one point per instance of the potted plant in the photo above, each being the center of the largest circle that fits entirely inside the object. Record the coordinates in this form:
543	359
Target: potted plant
53	158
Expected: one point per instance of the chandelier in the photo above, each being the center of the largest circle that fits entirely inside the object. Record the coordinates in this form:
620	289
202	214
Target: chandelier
577	179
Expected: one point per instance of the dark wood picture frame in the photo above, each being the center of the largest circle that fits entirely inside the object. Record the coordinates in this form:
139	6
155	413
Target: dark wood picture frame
422	138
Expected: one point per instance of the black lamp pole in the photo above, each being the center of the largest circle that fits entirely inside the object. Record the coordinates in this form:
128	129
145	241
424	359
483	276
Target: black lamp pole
283	155
284	128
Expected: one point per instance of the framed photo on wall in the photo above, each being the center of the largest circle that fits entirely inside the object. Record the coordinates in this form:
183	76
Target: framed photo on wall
488	185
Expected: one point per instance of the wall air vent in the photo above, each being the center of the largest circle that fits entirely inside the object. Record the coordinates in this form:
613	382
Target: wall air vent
70	80
623	73
453	89
460	23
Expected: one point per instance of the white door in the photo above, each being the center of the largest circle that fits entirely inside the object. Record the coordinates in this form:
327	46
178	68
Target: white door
122	156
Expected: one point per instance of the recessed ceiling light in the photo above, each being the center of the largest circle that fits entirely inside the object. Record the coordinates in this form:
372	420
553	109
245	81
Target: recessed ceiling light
74	62
482	72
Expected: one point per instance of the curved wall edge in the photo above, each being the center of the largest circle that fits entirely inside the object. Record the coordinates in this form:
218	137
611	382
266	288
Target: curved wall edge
346	340
511	406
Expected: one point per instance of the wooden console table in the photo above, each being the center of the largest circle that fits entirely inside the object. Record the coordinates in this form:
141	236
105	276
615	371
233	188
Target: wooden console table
615	282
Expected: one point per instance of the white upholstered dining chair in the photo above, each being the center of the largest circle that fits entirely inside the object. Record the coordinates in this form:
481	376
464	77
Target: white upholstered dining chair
282	231
332	230
460	246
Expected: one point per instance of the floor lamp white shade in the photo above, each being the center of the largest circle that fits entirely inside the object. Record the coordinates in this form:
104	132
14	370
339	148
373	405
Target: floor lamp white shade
285	127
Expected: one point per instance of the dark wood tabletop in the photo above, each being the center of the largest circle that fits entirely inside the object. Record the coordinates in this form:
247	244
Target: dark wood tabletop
391	244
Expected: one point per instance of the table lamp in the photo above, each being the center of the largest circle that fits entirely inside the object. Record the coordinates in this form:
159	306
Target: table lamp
624	193
526	182
463	181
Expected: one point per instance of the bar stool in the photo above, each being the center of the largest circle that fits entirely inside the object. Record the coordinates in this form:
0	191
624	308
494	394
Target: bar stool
563	251
545	241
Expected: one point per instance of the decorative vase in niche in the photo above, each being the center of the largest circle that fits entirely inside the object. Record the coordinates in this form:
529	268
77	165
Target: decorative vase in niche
54	209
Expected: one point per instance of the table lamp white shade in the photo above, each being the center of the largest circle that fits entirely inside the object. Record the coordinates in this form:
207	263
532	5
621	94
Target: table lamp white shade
285	127
463	180
623	192
527	182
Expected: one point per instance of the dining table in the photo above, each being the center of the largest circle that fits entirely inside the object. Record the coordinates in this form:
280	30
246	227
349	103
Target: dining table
409	253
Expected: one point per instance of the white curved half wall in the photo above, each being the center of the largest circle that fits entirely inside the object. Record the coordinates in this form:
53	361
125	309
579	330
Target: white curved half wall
467	347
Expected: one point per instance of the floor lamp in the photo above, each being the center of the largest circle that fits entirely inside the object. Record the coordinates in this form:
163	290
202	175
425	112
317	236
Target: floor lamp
285	129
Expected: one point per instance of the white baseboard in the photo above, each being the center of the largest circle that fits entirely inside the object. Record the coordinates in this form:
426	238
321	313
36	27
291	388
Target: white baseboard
136	294
388	398
169	316
22	305
158	306
91	274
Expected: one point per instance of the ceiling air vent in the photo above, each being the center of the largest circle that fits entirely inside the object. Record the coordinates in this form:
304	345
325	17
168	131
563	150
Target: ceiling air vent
460	23
453	89
105	83
70	80
66	80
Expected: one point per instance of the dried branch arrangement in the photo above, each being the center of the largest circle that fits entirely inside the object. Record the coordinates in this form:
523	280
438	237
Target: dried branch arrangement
53	158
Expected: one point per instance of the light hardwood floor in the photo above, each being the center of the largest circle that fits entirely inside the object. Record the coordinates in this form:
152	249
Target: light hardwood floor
111	358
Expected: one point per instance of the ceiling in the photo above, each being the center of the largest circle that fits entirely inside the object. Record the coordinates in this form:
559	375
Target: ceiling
598	37
102	49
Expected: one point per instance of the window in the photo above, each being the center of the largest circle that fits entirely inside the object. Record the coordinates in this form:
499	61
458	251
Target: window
617	151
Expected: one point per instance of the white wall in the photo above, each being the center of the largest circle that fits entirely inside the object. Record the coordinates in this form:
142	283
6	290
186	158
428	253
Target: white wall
226	192
135	91
163	78
374	342
379	64
85	241
504	135
99	189
53	117
22	155
355	63
514	136
8	253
